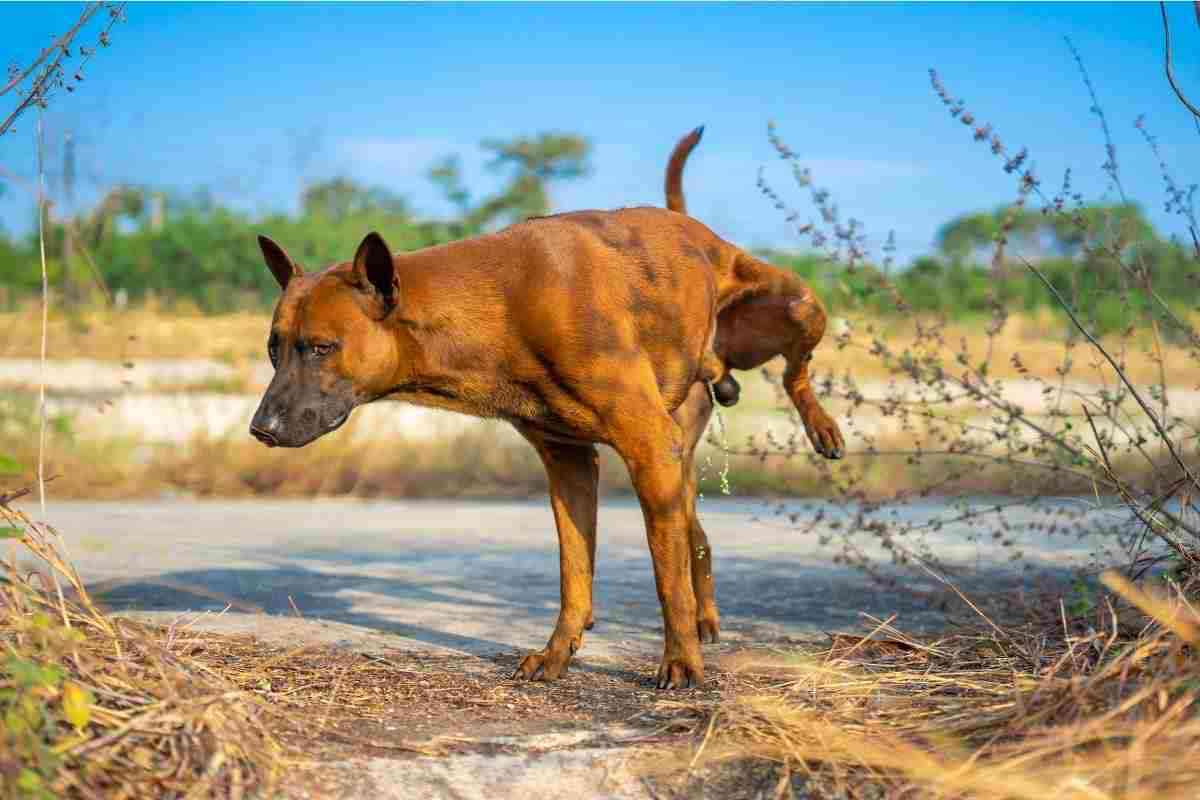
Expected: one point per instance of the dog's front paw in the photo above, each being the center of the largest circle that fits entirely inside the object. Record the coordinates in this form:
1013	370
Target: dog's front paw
823	432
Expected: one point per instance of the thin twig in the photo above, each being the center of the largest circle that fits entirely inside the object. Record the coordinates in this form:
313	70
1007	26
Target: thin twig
704	742
1162	433
36	94
999	631
1131	502
8	497
41	468
1162	613
82	250
61	43
1167	59
41	471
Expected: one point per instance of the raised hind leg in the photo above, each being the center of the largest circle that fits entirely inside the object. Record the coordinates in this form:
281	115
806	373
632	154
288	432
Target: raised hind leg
785	320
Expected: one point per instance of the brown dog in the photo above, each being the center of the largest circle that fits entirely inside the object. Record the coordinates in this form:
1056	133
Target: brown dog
593	327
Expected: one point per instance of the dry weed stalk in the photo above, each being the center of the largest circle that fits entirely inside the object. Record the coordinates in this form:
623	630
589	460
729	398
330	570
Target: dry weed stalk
103	707
1095	704
1086	425
48	71
1099	710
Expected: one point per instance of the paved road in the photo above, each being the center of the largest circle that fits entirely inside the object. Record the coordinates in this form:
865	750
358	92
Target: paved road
476	577
482	579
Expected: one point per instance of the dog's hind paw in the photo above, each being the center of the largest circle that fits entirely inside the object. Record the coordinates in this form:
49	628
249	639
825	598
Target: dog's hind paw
676	674
824	433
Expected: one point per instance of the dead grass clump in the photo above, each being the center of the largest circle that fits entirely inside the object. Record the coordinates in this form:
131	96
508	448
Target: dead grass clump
1100	707
477	463
144	332
94	706
1028	346
239	339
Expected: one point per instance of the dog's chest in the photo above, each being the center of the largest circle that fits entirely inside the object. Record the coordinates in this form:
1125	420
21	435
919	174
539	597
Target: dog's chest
480	398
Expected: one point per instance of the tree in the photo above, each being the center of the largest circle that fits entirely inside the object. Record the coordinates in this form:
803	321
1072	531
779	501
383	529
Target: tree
338	199
447	176
120	201
534	163
1036	235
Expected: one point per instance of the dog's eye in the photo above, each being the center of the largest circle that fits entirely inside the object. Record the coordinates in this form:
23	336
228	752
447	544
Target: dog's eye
321	350
273	352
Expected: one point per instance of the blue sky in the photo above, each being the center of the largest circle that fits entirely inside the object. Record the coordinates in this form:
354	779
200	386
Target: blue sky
232	96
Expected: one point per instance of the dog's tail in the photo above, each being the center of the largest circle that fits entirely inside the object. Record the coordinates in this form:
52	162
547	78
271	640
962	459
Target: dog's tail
674	181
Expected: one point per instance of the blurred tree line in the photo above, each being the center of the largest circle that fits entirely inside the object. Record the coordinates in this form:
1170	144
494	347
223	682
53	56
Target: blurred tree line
1094	256
187	250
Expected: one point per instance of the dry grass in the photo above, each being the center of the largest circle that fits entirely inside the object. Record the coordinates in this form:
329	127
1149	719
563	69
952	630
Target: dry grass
239	337
93	705
471	465
96	706
477	463
137	333
468	465
1036	339
1097	708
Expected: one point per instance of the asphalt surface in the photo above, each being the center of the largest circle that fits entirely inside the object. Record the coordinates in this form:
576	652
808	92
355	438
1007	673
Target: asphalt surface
482	577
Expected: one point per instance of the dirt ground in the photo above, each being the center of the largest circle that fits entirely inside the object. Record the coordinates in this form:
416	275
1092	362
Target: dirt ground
404	724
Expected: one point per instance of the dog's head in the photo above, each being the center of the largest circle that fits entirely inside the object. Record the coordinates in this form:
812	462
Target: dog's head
329	343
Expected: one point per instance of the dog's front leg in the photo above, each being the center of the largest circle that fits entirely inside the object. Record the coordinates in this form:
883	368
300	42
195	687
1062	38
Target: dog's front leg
573	473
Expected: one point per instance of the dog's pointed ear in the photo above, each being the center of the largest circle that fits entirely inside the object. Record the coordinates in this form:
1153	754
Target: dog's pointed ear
375	272
278	261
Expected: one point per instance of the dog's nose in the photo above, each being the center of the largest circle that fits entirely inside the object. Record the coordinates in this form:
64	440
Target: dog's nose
265	428
266	437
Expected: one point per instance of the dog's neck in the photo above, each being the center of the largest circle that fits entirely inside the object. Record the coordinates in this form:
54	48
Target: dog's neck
443	360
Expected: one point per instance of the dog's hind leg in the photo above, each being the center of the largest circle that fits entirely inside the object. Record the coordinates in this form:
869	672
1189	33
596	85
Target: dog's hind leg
693	417
777	315
651	443
822	431
574	474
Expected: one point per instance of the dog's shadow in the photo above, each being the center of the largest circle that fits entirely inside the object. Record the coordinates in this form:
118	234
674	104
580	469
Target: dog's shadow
519	606
291	589
490	603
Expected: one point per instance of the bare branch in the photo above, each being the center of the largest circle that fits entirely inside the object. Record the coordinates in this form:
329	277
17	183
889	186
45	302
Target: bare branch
1162	6
61	44
46	76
